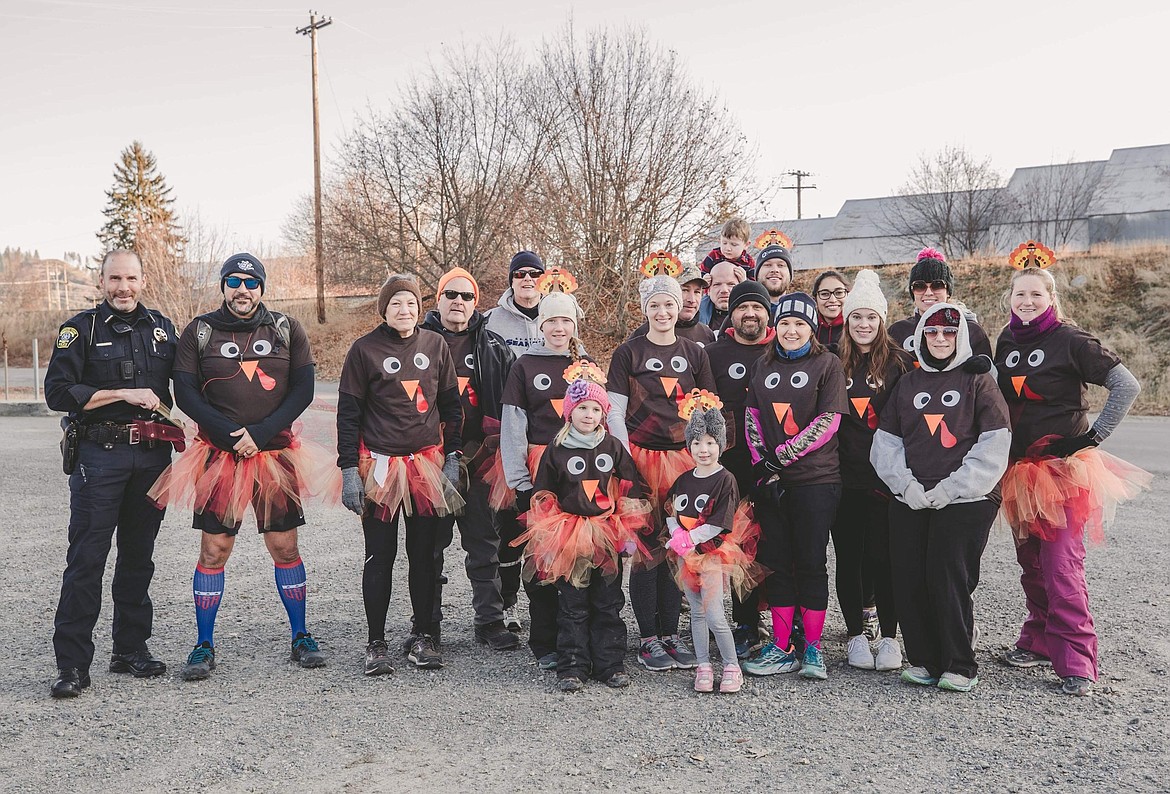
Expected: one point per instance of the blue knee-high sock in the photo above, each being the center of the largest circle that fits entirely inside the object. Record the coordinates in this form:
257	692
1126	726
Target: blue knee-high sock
208	589
290	582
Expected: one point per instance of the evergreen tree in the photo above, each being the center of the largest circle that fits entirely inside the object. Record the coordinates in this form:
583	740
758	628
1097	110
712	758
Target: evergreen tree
140	210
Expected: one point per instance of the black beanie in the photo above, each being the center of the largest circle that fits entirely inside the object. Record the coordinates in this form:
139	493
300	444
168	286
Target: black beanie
243	264
774	252
746	291
931	267
525	259
799	305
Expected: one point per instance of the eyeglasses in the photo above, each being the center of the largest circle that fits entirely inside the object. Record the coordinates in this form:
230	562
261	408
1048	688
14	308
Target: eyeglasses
234	282
838	293
452	294
526	274
935	331
935	286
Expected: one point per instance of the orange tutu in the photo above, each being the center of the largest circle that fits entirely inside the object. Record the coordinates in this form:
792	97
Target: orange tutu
274	482
414	483
734	558
564	546
1045	495
660	468
501	497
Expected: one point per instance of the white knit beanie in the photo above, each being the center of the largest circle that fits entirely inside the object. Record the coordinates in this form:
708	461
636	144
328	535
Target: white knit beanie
659	285
558	304
866	294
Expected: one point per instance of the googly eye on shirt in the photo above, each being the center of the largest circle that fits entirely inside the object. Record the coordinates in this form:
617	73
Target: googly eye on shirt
921	400
908	344
1012	359
576	465
229	350
680	502
654	364
772	381
261	347
542	382
737	371
391	364
701	501
799	379
421	360
678	364
848	384
950	398
469	361
1036	358
603	462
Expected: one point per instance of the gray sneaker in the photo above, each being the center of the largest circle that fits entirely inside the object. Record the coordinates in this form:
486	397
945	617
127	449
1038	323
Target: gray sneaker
1018	657
1076	685
200	663
957	682
654	656
684	658
772	661
512	618
424	653
378	659
306	652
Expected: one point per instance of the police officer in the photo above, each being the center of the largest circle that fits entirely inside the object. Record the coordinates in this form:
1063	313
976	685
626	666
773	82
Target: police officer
111	368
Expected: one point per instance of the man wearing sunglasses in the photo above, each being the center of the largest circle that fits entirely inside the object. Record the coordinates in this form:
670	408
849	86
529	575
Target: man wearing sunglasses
482	362
245	374
931	282
514	318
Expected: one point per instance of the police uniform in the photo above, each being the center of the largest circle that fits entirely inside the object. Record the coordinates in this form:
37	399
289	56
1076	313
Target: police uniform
101	349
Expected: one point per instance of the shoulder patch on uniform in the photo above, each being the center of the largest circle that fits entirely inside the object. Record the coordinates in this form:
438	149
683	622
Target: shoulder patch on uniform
67	336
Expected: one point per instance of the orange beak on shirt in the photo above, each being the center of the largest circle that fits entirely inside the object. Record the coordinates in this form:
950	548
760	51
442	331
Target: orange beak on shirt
590	487
415	393
937	424
1019	382
252	370
785	418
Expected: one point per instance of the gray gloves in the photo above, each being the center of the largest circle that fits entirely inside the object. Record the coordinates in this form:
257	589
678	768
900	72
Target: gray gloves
915	497
353	492
938	497
451	470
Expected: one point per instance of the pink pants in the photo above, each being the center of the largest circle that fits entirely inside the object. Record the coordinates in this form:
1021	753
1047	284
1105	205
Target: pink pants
1059	624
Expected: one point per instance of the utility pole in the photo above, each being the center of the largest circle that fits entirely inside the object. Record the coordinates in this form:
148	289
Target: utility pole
798	187
319	260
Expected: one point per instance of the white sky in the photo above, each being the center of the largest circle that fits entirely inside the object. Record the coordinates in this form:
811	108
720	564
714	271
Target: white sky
852	91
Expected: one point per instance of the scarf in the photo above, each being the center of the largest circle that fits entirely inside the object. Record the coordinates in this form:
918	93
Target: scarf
1025	333
223	320
800	352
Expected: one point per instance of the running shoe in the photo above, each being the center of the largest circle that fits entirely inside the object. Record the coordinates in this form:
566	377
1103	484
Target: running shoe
746	637
512	618
570	684
814	664
1076	685
732	680
858	653
618	680
424	653
1018	657
654	657
956	682
378	659
889	655
919	675
548	661
704	678
200	663
684	658
772	660
306	652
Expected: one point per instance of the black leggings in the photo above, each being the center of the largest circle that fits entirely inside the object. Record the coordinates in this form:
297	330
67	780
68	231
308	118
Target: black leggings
424	535
861	540
656	600
794	538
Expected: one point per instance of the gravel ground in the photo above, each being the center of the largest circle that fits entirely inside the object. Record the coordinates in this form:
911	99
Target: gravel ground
493	722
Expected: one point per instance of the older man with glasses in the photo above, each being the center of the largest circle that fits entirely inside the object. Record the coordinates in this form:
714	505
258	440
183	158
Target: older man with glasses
932	282
514	318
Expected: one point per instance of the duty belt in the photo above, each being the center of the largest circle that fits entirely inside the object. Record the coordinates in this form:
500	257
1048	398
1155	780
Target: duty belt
113	433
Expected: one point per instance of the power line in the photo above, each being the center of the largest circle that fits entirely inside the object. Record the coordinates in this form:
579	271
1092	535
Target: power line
310	30
799	187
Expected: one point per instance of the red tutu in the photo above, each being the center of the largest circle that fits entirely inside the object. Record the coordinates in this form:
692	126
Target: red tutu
1045	495
564	546
414	483
660	468
734	558
501	497
274	482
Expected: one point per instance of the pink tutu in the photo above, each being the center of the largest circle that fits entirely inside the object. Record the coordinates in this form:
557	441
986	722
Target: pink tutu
501	497
414	483
734	558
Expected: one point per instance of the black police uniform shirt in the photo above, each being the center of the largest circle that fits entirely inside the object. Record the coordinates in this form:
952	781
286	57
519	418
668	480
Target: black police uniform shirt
580	478
939	416
656	379
245	375
536	385
399	380
695	500
787	395
902	332
866	403
731	363
101	349
1044	382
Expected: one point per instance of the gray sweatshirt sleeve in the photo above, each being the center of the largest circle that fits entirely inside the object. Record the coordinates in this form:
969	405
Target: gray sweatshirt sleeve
983	466
514	447
1123	390
616	418
703	533
888	456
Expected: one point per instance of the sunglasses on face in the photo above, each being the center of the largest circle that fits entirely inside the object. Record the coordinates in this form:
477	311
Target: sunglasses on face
519	274
838	293
234	282
451	294
935	331
935	286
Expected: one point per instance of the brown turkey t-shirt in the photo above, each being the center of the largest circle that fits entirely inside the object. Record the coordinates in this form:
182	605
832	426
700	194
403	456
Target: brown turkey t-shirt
244	374
536	384
731	363
696	500
399	380
463	357
939	416
787	395
656	379
580	478
866	403
1044	382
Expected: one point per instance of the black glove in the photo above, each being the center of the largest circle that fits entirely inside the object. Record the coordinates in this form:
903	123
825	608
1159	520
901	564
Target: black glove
1063	447
523	500
977	365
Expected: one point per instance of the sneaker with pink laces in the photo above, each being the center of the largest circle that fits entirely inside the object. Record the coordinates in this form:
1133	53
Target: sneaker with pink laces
732	680
704	679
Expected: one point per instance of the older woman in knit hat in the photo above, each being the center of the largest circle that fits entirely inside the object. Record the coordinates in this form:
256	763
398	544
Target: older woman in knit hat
861	531
649	377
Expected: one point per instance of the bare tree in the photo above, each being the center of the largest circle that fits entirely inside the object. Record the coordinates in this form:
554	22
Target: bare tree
636	155
1050	200
183	283
949	200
